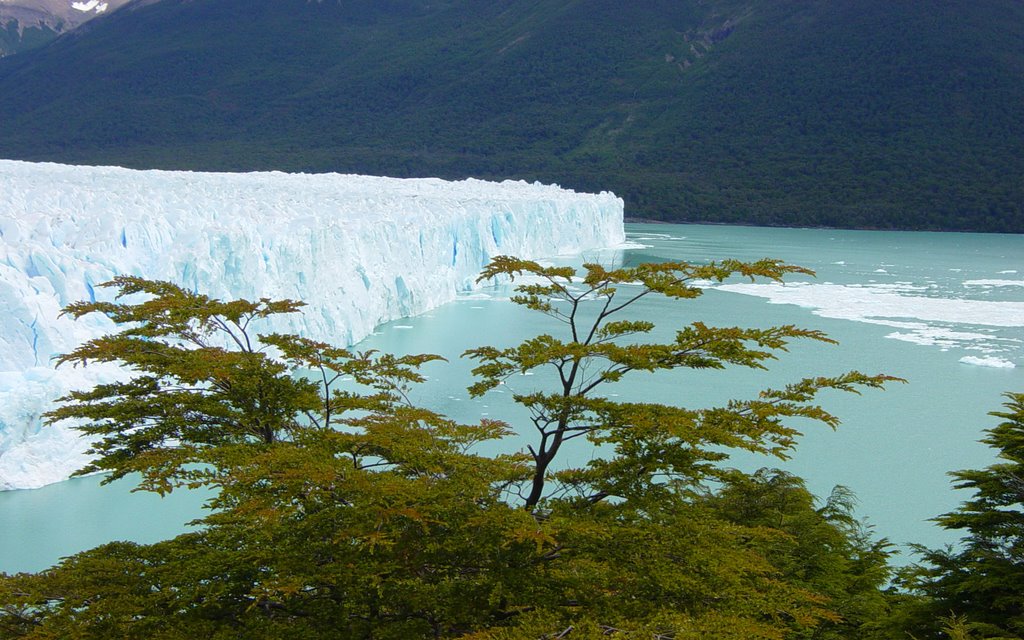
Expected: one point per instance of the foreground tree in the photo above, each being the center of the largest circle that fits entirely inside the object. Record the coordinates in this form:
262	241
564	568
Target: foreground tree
348	513
659	460
980	583
653	442
202	382
337	512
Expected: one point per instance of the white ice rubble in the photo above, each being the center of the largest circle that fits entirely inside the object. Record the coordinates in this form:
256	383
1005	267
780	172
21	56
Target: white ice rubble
934	321
358	250
988	361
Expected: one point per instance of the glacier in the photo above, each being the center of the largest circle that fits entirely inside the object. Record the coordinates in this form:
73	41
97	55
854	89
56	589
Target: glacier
358	250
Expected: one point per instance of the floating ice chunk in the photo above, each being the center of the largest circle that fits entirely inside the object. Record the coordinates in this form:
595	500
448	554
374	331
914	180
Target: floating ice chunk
925	334
893	286
988	361
653	236
634	245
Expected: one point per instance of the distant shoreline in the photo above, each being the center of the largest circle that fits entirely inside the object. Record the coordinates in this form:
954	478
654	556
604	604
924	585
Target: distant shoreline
635	220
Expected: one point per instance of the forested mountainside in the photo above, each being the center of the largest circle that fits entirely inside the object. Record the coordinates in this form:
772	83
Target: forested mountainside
847	113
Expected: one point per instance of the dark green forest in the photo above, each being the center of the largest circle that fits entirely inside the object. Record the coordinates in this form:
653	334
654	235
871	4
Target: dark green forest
345	512
849	113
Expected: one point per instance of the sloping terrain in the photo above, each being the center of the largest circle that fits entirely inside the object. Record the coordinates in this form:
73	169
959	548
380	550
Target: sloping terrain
858	113
26	24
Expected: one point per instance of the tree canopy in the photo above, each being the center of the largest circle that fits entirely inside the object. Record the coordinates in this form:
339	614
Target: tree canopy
343	511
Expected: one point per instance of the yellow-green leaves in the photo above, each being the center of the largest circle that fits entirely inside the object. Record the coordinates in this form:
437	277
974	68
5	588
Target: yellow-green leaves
203	380
600	347
340	510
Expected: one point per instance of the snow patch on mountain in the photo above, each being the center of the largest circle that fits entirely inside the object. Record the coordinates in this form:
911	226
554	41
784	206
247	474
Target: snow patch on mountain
91	5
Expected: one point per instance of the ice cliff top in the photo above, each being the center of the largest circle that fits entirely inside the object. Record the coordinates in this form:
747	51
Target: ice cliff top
359	250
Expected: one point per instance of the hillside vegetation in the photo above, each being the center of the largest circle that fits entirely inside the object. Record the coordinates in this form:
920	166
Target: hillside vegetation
847	113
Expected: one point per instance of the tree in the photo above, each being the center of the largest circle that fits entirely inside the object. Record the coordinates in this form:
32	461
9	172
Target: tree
349	513
980	583
652	440
203	382
334	509
661	458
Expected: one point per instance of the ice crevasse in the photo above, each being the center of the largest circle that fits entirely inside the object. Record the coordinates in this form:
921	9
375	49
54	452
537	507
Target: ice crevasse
358	250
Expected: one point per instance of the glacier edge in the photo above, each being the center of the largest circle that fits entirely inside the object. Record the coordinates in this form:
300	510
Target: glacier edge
358	250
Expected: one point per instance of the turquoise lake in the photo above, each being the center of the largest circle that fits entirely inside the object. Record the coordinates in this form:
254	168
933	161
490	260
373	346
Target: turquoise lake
945	311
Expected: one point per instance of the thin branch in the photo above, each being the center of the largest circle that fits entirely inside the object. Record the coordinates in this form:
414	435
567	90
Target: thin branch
226	329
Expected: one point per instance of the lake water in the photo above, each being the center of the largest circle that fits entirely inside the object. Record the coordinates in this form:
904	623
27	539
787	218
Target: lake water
943	310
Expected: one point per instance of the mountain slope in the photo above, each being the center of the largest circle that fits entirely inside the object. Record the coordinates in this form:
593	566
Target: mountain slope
26	24
860	113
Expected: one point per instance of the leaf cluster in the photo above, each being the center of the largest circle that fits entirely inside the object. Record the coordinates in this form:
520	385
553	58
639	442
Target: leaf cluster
652	442
201	380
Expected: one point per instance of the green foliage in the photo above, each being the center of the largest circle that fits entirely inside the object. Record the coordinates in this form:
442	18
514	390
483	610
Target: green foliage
190	395
655	443
350	513
980	584
822	548
203	382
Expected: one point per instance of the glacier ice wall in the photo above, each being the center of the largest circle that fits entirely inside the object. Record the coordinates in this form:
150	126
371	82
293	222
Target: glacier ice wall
358	250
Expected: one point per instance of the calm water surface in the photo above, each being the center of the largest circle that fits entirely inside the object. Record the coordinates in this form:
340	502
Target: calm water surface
945	311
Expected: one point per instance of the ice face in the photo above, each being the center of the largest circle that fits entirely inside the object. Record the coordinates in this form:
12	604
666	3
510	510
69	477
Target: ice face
358	250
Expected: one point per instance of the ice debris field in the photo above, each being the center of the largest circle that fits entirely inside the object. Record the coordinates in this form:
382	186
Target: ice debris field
358	250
